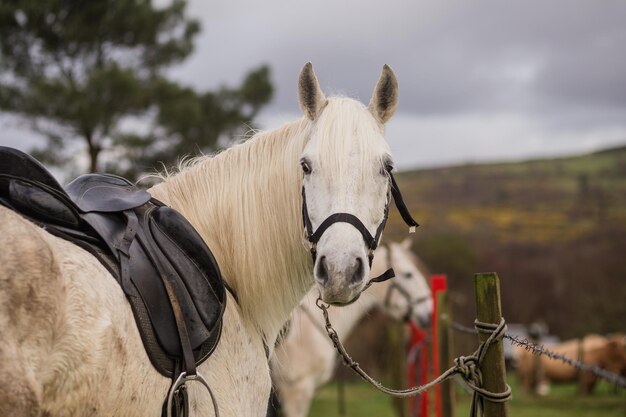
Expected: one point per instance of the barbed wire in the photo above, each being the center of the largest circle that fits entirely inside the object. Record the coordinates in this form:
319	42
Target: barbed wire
538	349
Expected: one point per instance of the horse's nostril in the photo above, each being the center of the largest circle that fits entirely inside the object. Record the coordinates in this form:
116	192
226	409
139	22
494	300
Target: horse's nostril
321	270
357	275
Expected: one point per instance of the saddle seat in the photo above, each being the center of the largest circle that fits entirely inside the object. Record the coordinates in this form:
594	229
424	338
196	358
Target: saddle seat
161	263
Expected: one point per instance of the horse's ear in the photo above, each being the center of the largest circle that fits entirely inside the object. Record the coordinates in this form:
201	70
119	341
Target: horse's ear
385	99
310	95
407	243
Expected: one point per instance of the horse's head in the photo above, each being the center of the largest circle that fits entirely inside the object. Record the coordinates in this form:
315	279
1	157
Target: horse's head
346	193
407	296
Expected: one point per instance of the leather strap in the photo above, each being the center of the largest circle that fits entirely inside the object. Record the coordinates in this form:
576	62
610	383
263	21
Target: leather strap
388	274
404	212
370	241
123	249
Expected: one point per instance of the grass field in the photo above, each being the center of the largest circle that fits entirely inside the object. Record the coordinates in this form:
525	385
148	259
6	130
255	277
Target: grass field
564	401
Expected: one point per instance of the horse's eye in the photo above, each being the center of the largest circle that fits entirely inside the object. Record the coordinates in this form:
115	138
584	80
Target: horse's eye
387	168
305	167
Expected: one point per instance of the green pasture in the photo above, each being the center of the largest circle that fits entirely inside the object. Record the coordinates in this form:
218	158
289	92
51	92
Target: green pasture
563	401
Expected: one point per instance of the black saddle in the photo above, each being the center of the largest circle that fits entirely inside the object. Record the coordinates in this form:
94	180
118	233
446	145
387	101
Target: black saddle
167	272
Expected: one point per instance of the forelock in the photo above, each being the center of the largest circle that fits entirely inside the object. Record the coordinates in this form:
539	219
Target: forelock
346	127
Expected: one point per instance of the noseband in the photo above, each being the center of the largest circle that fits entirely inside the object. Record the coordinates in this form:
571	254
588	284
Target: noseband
370	241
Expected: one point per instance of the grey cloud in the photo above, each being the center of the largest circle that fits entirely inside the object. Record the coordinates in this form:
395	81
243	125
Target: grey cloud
547	69
534	57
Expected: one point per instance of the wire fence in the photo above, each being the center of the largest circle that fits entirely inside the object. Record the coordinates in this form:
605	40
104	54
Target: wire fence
538	349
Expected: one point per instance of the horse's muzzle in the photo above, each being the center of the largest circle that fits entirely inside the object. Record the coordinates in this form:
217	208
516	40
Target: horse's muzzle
340	286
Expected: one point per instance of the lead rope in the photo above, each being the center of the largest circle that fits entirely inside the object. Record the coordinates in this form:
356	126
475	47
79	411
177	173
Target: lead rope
468	367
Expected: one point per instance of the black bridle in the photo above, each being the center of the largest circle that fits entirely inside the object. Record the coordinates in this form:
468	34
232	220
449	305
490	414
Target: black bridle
313	236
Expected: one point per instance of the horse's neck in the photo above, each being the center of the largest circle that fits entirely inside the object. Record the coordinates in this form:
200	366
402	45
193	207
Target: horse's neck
245	203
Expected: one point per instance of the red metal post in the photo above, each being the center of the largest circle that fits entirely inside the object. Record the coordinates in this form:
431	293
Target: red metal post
437	283
424	378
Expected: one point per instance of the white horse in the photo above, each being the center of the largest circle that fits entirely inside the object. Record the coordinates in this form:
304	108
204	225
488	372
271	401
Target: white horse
306	358
69	345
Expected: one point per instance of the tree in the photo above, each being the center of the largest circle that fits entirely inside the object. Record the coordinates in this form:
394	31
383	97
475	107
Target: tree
187	122
77	69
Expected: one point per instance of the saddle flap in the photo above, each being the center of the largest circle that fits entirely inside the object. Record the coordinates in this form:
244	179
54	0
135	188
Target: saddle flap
105	193
193	261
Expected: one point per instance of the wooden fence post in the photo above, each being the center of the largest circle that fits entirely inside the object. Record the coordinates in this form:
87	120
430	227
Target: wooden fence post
397	362
489	310
444	343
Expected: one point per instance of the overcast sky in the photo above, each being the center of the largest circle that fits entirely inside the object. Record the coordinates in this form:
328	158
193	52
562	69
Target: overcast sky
479	80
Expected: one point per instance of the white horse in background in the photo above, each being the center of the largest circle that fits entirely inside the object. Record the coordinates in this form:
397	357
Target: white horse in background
69	345
305	359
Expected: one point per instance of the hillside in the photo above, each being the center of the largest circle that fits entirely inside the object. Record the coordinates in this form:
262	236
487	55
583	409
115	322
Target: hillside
553	229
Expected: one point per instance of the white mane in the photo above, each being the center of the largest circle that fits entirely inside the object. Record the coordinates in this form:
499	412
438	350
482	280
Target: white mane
246	200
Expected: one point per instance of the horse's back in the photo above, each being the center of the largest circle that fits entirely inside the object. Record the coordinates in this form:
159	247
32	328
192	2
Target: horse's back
67	331
577	349
27	310
28	274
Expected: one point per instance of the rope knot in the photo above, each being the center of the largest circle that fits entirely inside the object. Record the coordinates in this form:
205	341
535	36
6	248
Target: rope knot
467	367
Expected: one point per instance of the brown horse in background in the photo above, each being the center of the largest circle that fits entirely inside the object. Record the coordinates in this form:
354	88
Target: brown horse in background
537	372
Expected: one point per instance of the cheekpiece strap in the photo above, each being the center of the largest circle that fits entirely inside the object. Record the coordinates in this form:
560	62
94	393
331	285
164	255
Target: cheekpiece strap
404	212
305	216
